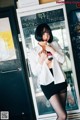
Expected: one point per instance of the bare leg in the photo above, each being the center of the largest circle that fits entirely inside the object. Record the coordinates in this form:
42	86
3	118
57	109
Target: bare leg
55	102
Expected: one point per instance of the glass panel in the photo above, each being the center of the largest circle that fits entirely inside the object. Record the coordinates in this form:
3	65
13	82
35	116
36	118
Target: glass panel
56	21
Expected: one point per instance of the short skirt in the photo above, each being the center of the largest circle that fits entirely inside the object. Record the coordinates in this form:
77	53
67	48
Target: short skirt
51	89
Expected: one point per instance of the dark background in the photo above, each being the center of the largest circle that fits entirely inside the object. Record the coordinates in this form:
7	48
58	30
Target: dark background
75	40
15	95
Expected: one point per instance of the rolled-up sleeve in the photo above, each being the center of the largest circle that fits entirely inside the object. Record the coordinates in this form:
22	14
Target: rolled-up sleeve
59	54
36	67
60	58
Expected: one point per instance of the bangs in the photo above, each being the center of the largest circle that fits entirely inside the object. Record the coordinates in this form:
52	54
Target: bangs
45	30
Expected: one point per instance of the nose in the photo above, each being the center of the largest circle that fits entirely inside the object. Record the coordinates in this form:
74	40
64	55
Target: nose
46	38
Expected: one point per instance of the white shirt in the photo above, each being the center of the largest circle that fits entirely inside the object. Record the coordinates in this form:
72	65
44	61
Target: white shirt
42	71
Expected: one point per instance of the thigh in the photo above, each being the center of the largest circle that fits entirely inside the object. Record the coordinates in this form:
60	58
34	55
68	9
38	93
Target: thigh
56	104
62	97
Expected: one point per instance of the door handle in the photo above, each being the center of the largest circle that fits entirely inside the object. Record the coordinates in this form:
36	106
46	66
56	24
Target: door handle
14	70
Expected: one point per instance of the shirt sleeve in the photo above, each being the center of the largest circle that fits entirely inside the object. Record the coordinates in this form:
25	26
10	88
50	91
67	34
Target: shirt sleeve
59	54
36	67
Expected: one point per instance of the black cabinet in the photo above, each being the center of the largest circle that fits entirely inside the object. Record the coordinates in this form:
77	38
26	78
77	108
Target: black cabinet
14	94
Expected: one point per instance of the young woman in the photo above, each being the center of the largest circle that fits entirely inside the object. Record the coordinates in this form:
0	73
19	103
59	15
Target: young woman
46	60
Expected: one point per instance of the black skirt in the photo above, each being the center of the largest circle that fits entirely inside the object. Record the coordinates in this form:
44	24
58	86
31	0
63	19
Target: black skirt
51	89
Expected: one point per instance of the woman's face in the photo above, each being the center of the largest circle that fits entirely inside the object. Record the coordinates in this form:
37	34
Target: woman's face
46	36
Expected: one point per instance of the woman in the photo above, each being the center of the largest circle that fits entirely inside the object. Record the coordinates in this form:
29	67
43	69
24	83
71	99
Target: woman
45	61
